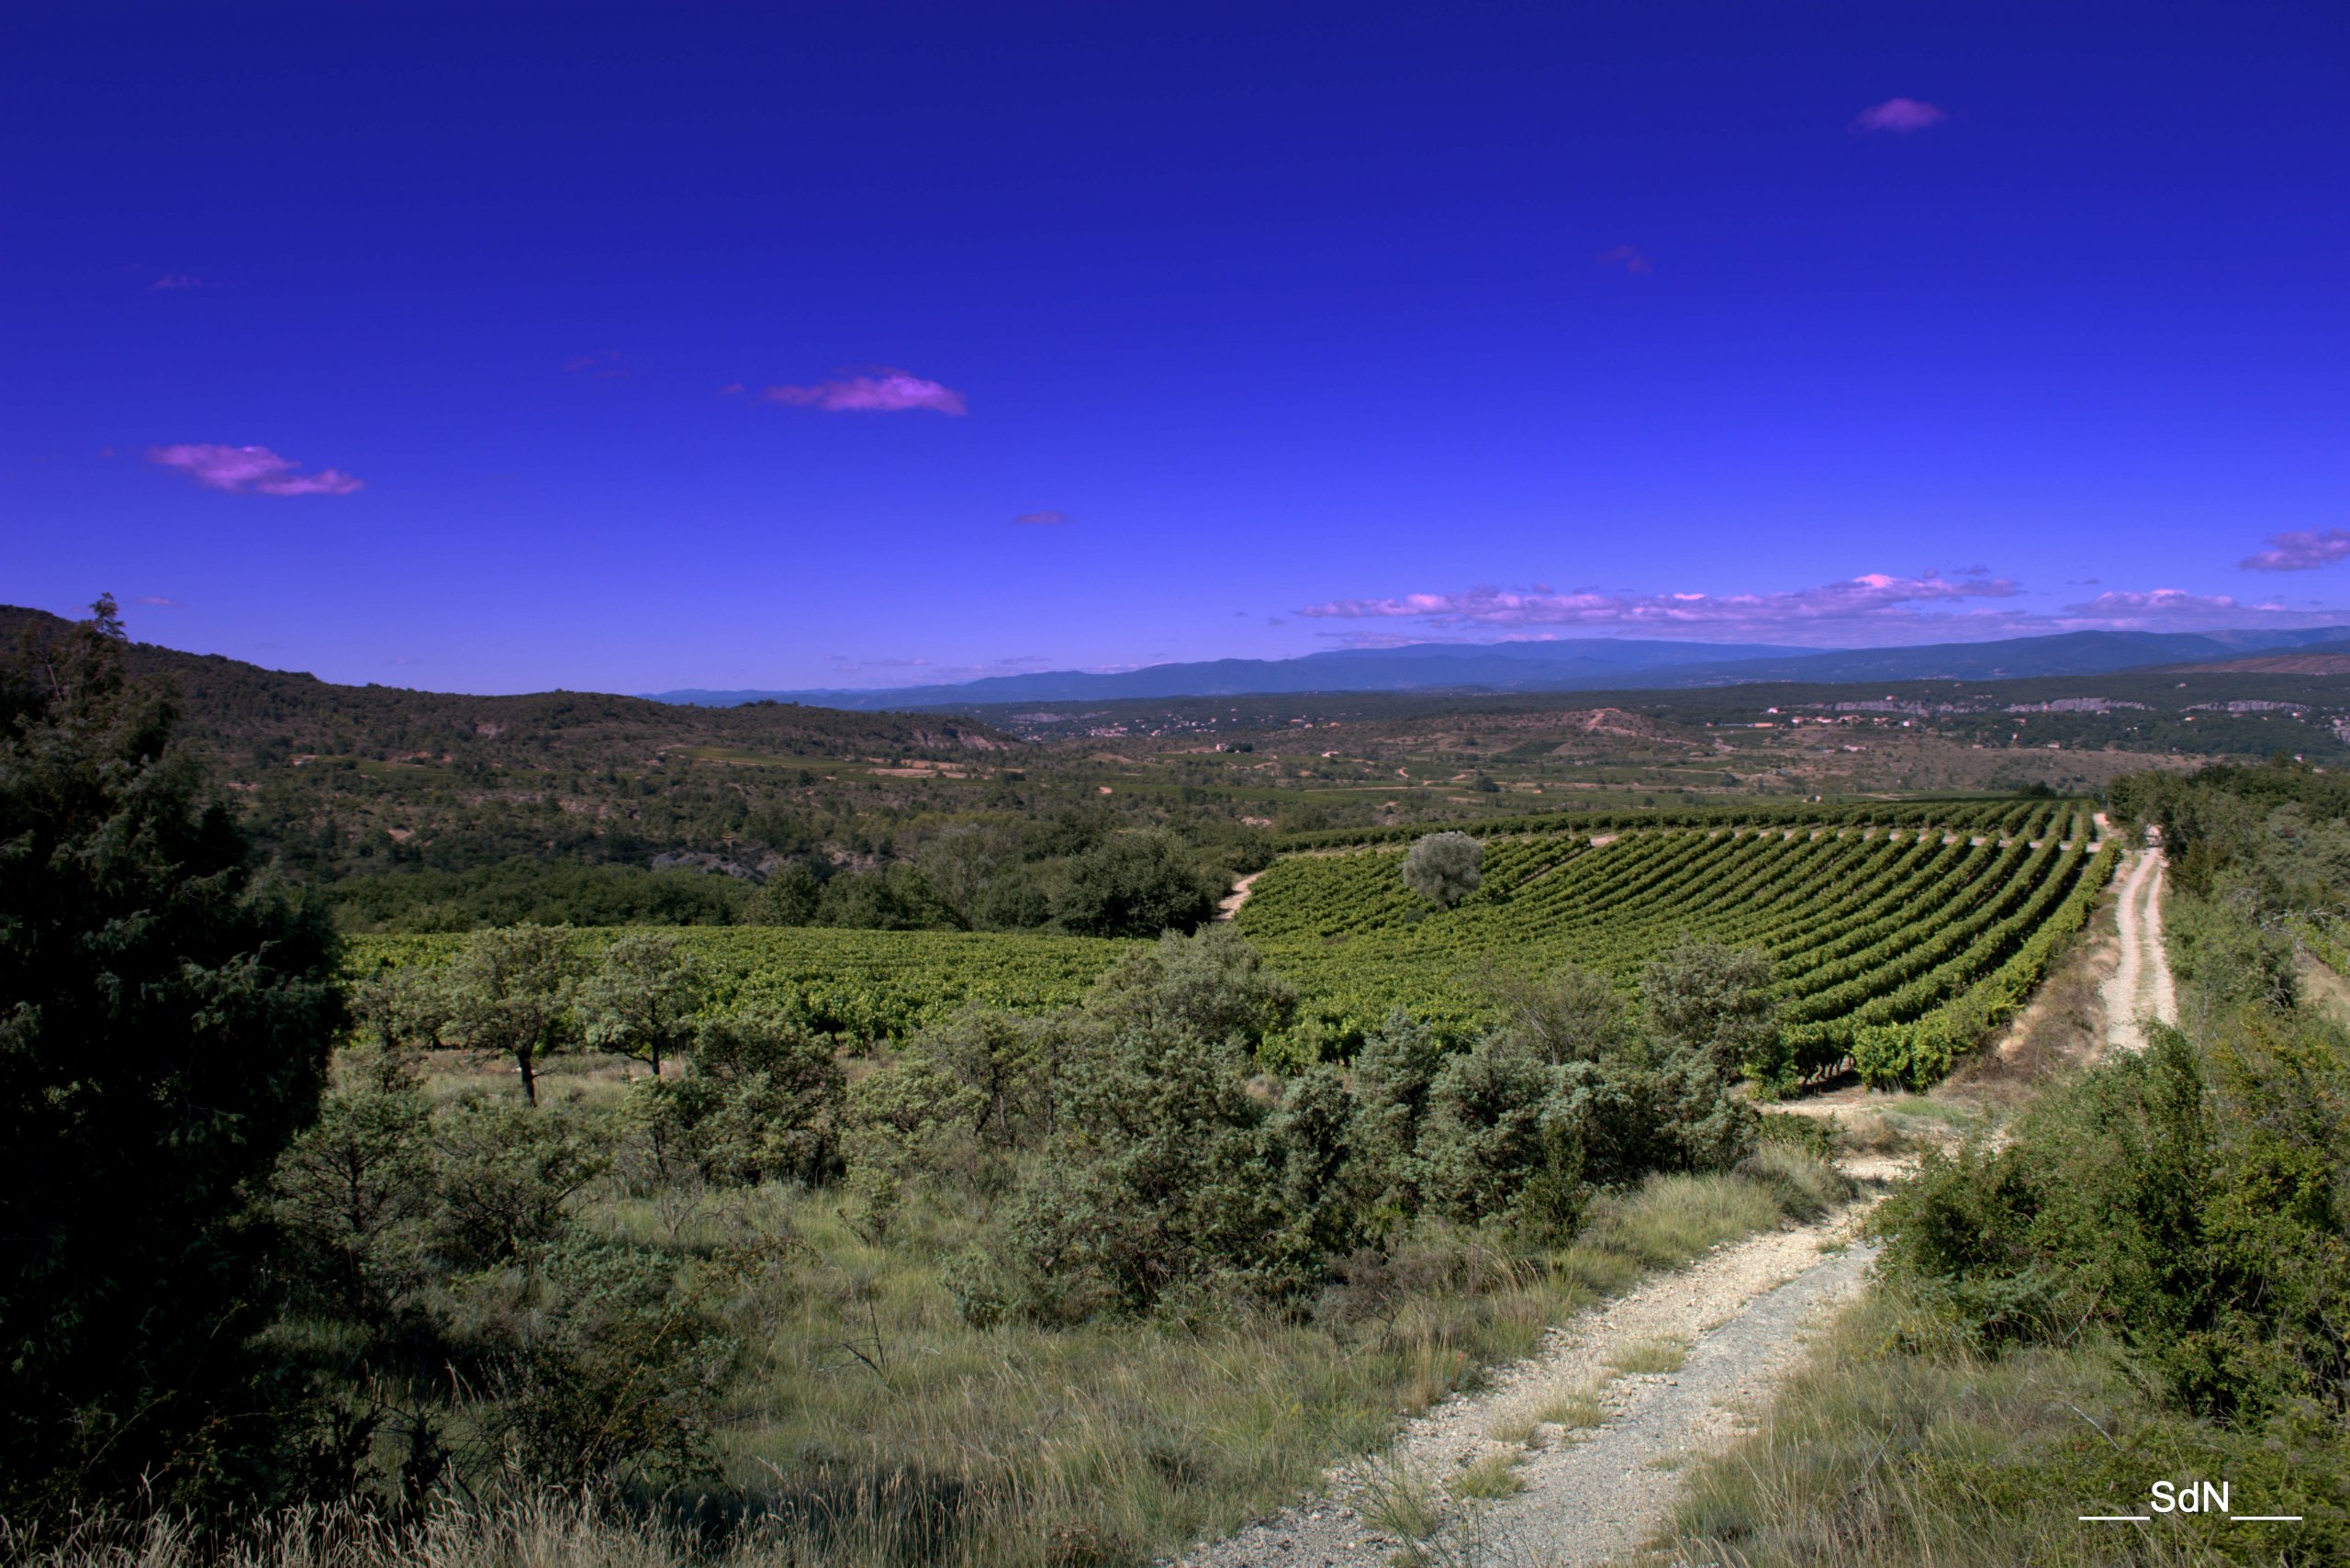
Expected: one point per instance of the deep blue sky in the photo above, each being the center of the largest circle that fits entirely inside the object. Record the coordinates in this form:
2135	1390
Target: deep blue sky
1290	313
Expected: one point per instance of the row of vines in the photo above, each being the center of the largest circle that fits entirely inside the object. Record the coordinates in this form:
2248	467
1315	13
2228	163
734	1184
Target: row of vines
1877	932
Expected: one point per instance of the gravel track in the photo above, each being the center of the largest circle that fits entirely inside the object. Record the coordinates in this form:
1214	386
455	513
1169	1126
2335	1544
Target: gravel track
1740	1309
2141	987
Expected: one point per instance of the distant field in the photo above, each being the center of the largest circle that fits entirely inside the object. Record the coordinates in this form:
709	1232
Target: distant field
1883	921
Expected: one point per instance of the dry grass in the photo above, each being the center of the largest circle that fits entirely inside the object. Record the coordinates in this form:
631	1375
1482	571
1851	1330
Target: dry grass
1520	1429
867	1422
1495	1476
1577	1409
1397	1499
1642	1358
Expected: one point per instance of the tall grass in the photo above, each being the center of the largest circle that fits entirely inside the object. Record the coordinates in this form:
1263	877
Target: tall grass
1896	1447
868	1424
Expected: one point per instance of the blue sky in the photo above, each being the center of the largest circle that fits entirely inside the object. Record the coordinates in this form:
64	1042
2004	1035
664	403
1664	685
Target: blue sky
635	347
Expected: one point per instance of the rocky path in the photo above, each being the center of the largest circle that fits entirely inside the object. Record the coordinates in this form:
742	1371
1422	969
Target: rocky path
1593	1428
2141	986
1229	905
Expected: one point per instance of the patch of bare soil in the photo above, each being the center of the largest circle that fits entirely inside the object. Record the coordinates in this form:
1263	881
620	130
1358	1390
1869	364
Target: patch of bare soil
2323	986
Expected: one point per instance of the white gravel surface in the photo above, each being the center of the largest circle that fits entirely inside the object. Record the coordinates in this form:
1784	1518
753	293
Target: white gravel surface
2141	987
1742	1310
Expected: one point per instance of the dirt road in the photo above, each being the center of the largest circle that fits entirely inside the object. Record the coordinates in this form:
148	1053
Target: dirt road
1229	905
2140	985
1734	1321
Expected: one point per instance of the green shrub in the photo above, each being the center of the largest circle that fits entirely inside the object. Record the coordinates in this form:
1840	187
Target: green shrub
762	1100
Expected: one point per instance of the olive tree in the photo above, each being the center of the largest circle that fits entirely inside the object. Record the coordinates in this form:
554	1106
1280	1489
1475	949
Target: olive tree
510	990
1445	867
641	1001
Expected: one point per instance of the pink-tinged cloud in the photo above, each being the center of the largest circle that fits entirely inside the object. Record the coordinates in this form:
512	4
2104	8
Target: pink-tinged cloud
172	282
872	392
1901	116
251	471
158	601
1624	256
1046	518
2165	604
1846	607
2299	551
604	365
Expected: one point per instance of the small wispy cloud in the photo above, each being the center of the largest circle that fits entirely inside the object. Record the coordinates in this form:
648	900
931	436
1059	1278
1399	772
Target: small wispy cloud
604	365
1876	598
845	664
2302	551
250	470
1045	519
872	392
173	282
1901	116
2156	603
157	601
1626	256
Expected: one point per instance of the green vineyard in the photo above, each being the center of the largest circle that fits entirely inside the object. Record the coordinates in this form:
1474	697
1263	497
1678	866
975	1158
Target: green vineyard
859	985
1896	941
1900	932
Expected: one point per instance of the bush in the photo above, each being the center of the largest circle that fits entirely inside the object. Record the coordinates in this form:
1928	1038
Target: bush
1445	867
1157	1183
1212	984
1483	1136
506	1175
1140	883
1717	1000
606	1370
762	1100
2191	1208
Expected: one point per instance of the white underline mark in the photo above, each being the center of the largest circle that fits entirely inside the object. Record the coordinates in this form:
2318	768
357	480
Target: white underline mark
2267	1518
2115	1519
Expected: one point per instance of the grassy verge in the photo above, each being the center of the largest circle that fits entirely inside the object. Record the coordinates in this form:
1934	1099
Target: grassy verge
1888	1450
1120	1440
873	1426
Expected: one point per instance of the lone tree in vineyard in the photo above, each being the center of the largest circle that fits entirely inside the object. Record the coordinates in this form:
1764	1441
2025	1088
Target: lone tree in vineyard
1445	867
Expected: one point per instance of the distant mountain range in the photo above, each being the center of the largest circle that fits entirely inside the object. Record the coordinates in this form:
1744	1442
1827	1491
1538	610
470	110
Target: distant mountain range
1591	664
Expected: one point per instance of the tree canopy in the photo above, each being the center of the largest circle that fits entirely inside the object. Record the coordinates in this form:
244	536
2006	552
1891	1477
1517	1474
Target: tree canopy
169	1010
